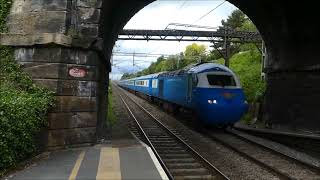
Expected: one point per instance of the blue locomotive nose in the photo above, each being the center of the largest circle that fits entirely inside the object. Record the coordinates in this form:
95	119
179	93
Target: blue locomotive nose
220	106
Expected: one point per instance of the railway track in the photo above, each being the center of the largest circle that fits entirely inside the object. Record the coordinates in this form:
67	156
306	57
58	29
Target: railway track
278	163
308	143
178	159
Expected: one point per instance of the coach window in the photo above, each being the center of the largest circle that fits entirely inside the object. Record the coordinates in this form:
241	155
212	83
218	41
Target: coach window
154	83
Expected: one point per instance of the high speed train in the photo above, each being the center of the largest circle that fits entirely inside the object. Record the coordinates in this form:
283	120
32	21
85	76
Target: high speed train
210	90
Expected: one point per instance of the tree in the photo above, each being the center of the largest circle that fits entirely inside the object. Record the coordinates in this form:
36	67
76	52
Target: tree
127	76
195	50
235	20
194	53
248	26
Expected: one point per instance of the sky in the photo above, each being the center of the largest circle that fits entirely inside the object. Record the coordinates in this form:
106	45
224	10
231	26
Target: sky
157	16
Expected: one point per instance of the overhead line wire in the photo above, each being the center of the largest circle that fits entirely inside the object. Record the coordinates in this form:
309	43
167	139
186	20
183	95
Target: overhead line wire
209	12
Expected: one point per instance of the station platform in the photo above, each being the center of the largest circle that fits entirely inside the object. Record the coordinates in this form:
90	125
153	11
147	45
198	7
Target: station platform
121	156
103	161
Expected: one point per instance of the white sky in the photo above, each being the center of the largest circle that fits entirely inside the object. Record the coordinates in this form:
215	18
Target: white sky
157	16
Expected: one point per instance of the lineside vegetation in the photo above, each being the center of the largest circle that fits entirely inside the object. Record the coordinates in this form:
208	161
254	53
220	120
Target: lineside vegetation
23	106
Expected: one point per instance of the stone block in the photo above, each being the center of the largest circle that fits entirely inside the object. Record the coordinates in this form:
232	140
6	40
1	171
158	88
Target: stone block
69	87
65	137
38	22
58	71
72	120
19	6
74	104
90	3
88	15
91	30
57	55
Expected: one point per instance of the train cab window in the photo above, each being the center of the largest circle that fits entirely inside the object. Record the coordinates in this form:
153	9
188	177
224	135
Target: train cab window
194	80
221	80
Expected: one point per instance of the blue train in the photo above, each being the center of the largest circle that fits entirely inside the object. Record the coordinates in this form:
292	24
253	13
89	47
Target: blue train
211	90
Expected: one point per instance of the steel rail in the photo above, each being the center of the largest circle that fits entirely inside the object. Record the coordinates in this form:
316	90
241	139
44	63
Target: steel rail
200	157
257	161
148	141
312	166
295	135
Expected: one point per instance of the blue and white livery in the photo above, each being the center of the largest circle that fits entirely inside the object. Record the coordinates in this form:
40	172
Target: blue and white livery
211	90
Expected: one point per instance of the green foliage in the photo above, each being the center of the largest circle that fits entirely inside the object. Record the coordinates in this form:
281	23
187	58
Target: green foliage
111	117
194	53
195	50
5	8
235	20
240	22
23	105
22	115
248	26
247	65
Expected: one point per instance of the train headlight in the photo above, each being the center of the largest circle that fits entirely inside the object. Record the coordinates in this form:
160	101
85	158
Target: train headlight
212	101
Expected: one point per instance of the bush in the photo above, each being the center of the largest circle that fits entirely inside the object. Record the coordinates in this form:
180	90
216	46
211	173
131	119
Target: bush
111	116
247	65
22	115
23	105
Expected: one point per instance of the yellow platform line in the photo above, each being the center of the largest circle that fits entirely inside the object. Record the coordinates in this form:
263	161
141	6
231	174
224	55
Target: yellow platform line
109	164
76	167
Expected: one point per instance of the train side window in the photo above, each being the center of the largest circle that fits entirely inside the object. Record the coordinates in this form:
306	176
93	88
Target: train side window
221	80
154	83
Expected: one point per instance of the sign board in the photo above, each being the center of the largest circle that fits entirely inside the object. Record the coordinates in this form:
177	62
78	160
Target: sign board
77	72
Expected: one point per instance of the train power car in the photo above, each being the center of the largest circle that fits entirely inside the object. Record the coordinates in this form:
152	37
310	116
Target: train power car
210	90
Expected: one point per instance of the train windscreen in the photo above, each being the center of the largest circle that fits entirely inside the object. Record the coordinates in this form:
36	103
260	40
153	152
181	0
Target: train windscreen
221	80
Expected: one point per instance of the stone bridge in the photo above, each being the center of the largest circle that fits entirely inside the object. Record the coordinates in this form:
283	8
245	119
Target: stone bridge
66	45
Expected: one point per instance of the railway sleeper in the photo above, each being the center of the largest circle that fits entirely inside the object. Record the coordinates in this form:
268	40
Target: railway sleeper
200	177
165	143
155	134
174	156
186	171
162	141
185	160
171	151
171	148
184	165
159	136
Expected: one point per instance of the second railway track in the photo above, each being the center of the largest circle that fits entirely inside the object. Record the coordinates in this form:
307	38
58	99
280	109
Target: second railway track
178	159
284	166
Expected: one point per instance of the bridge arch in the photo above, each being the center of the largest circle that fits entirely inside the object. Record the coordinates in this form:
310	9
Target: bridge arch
55	38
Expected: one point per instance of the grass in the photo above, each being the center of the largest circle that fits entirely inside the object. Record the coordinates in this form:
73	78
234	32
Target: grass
111	116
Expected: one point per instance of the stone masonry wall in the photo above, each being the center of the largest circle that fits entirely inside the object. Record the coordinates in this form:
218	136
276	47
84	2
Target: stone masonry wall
74	118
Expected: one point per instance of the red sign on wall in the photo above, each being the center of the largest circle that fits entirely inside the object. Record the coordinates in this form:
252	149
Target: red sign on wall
77	72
